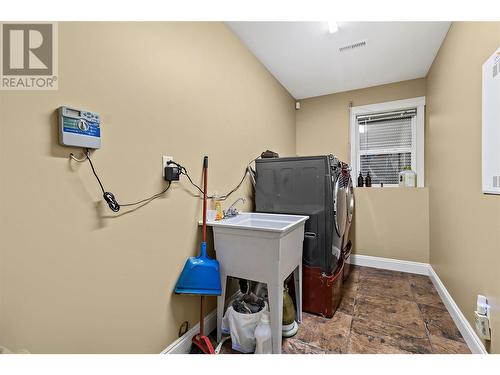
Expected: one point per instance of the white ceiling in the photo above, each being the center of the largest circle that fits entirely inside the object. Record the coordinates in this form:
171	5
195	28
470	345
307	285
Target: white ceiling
305	57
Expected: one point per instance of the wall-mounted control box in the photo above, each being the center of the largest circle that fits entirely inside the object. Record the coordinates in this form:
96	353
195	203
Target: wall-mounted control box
79	128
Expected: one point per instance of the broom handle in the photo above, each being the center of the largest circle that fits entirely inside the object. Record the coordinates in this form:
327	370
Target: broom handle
202	318
202	298
205	173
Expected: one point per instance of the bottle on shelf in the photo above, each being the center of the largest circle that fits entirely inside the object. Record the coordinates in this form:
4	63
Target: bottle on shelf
360	180
368	180
407	178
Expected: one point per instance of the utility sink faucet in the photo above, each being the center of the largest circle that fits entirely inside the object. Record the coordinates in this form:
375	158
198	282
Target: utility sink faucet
232	211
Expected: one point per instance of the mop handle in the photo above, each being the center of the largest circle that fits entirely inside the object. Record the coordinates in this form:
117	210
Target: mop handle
205	173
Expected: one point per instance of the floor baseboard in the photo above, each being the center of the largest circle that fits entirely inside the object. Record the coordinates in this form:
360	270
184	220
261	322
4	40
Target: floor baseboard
469	334
183	344
390	264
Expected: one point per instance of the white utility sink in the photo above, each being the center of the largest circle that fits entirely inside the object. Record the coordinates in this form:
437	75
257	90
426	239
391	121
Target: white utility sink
257	221
260	247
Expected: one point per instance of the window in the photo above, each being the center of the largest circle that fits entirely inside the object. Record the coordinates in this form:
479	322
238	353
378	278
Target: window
386	138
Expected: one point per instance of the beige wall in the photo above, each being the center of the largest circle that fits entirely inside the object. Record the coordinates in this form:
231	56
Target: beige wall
323	121
392	223
74	276
464	222
323	127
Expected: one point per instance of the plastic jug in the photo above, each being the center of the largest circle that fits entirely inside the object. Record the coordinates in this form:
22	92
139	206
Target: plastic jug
263	338
407	178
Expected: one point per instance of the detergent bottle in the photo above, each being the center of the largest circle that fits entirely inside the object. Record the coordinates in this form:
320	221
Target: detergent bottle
218	207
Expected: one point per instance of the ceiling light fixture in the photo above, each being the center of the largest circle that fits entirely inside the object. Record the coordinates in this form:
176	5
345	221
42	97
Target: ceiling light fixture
333	27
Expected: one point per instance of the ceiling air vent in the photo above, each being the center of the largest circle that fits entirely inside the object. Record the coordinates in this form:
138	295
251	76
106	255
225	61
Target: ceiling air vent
351	46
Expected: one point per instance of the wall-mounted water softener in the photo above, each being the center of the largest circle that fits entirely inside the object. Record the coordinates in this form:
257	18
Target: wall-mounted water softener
491	124
79	128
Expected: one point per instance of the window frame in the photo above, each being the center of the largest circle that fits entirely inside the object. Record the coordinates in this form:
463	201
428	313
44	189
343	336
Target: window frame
418	125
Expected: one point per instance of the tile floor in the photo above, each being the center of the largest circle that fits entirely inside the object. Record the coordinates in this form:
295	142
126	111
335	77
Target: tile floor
381	312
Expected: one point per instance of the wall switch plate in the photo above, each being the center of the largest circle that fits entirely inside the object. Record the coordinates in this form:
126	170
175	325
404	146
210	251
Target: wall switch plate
482	326
164	160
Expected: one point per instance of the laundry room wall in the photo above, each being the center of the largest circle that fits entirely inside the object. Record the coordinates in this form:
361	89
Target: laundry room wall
464	222
75	277
388	222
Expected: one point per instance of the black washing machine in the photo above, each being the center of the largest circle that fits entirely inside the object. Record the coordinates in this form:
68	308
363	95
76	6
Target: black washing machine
316	186
308	185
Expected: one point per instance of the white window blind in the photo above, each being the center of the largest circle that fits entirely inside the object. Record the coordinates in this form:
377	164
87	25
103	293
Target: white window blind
386	145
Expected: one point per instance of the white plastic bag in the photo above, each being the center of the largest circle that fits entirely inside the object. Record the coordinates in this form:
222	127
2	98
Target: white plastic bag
242	328
225	322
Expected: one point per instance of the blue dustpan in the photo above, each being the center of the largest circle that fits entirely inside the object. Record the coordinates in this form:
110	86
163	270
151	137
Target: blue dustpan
200	275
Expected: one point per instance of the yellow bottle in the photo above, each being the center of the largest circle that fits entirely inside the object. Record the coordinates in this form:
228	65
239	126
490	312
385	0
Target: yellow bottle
218	208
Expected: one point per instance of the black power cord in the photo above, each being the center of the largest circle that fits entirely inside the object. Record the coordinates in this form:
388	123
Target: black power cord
157	195
110	198
115	206
183	171
224	197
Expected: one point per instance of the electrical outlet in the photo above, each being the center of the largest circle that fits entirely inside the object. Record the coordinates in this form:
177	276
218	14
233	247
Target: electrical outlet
482	305
482	326
164	161
482	318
